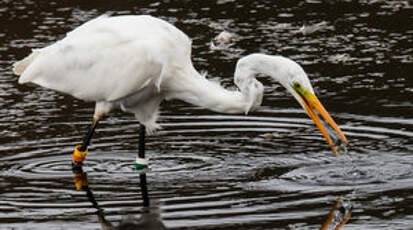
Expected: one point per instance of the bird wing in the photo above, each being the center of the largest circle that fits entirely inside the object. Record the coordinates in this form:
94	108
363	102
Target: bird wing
107	58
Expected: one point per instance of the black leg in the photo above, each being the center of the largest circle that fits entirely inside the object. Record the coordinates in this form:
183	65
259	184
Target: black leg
88	137
144	190
81	150
142	176
142	134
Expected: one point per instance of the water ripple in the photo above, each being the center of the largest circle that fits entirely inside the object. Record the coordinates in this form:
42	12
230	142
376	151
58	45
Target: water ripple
210	171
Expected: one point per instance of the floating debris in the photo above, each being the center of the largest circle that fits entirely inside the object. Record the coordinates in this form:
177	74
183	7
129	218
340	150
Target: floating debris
223	40
306	30
224	37
339	58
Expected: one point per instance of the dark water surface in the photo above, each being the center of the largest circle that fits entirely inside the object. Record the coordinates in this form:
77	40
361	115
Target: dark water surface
268	170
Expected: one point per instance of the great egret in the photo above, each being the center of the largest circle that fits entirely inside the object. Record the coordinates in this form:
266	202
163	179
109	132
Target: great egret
135	62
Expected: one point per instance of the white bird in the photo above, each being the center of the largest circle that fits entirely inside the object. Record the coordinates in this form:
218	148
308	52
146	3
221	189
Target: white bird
135	62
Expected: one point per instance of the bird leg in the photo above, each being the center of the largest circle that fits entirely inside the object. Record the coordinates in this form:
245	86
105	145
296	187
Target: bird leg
88	137
141	161
142	134
81	151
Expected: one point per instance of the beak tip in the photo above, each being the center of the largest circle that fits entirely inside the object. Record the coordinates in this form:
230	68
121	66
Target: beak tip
311	103
335	151
345	140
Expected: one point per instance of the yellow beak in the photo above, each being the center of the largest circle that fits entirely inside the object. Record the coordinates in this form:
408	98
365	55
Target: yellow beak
311	103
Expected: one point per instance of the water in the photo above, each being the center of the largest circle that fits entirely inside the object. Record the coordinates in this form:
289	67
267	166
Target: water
269	170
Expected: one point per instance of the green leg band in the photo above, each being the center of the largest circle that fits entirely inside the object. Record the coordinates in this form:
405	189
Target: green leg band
141	163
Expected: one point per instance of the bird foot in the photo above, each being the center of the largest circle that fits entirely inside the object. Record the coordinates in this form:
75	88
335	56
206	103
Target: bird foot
79	156
141	163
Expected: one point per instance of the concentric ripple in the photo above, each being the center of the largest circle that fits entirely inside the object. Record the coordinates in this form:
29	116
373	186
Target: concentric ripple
377	169
270	169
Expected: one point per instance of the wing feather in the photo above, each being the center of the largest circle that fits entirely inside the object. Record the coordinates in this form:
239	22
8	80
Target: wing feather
107	58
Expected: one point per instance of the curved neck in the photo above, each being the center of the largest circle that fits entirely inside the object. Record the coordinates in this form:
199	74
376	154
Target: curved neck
195	89
277	67
280	69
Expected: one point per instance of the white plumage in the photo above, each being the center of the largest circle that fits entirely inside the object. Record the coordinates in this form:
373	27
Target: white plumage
110	59
135	62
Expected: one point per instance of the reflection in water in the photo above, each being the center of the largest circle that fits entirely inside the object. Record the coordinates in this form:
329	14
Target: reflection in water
337	217
150	218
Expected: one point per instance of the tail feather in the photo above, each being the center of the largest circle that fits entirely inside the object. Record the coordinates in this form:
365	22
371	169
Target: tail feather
20	66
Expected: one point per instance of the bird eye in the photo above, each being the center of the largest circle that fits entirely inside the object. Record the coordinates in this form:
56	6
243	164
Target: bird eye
296	85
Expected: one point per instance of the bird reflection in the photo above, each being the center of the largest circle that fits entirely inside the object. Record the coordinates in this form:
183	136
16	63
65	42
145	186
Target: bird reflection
150	218
337	217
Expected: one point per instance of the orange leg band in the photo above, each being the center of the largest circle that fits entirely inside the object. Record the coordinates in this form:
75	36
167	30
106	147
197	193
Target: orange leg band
79	156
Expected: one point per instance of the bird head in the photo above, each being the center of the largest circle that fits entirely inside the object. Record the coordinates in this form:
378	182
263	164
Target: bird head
293	77
311	104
